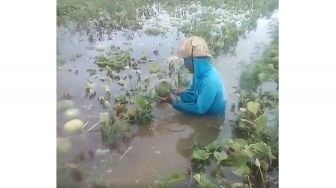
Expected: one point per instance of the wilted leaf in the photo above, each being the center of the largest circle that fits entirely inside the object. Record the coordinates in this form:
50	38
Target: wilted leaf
200	154
257	163
197	178
203	181
220	156
253	107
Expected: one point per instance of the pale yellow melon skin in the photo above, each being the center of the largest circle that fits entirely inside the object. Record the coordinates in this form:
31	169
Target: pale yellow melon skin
73	126
63	145
65	104
71	113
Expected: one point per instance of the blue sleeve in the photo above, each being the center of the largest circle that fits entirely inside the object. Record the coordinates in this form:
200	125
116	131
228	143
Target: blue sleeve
203	103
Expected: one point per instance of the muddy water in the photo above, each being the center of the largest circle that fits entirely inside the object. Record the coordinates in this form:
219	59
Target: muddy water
161	148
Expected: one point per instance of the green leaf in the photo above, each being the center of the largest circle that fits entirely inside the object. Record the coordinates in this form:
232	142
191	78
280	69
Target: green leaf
213	146
241	170
261	149
220	156
174	178
263	76
261	121
200	154
140	101
241	142
246	152
235	146
253	107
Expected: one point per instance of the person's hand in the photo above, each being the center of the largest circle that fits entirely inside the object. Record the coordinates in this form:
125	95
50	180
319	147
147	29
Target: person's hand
176	91
167	99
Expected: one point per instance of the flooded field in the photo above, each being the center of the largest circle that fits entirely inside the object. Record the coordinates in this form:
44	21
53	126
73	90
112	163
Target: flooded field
147	152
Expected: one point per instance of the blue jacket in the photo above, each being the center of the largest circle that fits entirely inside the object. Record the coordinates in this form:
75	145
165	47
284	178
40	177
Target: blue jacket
206	95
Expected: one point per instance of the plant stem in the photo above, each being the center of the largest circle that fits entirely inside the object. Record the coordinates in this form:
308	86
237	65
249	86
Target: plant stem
93	126
248	179
85	124
262	177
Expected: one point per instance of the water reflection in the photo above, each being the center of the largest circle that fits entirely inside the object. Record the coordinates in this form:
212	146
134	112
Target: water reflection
205	131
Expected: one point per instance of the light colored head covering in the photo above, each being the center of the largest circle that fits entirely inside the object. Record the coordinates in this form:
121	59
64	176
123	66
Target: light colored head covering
199	45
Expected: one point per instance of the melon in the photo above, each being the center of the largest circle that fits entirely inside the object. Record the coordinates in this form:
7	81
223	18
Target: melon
73	126
163	88
63	145
100	48
65	104
71	113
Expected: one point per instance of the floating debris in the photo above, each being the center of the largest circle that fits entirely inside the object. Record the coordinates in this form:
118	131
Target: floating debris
102	151
91	93
128	149
91	71
156	52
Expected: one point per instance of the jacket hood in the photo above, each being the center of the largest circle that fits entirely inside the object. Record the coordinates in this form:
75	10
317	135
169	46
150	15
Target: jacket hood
201	66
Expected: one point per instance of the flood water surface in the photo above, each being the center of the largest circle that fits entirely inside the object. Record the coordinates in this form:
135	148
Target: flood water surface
148	152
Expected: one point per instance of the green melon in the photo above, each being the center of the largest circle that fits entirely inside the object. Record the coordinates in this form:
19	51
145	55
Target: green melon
71	113
65	104
63	145
163	88
73	126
